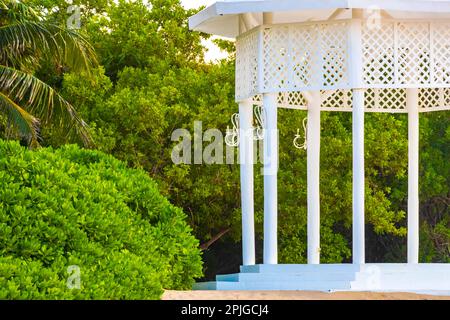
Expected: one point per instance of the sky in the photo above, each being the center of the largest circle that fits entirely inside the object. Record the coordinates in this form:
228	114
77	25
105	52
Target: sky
214	53
191	4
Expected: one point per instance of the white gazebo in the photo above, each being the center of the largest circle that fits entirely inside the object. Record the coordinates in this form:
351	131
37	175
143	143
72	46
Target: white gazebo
332	55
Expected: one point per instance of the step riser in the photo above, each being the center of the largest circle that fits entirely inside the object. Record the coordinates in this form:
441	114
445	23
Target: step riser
292	269
335	268
279	286
324	286
399	284
244	277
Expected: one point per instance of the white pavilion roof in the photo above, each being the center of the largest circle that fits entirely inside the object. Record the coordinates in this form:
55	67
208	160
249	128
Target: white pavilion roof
222	18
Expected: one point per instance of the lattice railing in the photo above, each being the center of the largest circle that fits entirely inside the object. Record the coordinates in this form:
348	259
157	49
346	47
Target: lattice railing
297	57
288	100
247	65
336	100
292	58
407	54
440	43
385	100
434	99
289	58
376	100
378	51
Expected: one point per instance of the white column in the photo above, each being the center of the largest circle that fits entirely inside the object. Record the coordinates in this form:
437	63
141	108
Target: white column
356	72
270	178
247	190
358	177
313	172
412	96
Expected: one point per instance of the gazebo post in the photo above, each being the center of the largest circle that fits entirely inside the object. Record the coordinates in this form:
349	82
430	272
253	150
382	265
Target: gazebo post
246	167
270	178
313	172
356	79
412	103
358	177
270	103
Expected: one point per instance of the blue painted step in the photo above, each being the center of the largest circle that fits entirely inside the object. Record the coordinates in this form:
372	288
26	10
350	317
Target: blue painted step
304	276
300	268
305	285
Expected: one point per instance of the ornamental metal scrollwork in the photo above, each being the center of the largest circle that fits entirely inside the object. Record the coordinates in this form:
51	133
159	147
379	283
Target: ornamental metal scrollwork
232	135
260	119
298	137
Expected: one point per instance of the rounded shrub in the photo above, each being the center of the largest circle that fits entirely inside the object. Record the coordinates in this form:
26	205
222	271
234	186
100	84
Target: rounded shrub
79	224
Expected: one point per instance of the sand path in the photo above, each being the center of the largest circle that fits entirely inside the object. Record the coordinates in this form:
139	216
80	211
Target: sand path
295	295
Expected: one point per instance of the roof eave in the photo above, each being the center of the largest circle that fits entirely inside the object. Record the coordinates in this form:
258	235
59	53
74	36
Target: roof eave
204	20
220	9
203	16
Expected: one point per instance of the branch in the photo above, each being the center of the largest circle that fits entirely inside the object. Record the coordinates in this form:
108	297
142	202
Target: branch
206	245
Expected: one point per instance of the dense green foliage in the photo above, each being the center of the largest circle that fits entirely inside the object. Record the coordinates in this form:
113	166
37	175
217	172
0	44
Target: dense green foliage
153	79
75	207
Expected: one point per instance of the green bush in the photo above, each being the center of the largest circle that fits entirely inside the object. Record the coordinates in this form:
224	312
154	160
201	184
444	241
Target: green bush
70	206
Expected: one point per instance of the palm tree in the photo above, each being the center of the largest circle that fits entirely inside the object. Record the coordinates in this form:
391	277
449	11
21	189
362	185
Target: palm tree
25	42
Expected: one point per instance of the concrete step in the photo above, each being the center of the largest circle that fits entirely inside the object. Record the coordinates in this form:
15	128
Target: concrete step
402	279
306	286
210	285
304	276
411	276
400	268
300	268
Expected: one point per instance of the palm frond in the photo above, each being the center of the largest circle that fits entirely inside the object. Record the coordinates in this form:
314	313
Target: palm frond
26	123
18	38
17	10
26	41
74	50
45	41
42	101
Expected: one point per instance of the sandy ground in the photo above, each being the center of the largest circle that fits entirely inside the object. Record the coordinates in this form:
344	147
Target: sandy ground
295	295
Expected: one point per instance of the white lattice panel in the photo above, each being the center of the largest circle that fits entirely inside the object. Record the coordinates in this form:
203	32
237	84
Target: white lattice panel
297	57
304	41
413	52
404	54
257	100
288	100
440	44
247	65
275	58
434	99
447	97
385	100
292	100
376	100
336	100
292	58
334	54
378	55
